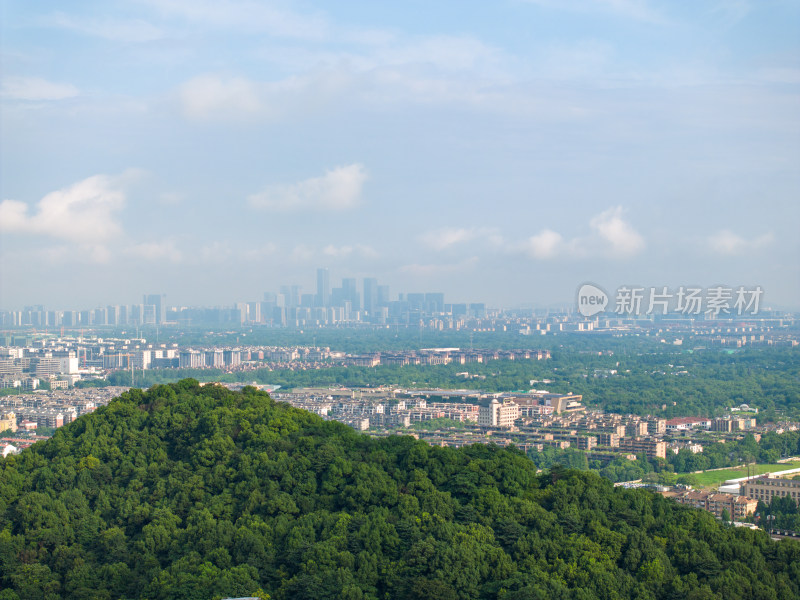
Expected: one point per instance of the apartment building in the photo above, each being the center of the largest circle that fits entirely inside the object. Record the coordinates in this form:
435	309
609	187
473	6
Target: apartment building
651	448
738	507
766	488
498	414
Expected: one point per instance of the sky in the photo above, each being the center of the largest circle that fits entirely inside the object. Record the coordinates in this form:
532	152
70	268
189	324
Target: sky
501	152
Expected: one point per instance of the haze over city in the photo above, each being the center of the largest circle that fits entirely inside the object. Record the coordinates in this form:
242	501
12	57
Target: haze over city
495	152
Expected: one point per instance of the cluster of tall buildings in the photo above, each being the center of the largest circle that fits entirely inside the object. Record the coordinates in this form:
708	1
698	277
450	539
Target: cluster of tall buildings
152	311
368	303
357	302
290	306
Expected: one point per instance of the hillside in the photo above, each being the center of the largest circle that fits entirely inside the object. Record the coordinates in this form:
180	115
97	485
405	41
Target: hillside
188	492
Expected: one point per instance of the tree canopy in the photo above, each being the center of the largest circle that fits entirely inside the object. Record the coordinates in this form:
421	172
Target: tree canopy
186	491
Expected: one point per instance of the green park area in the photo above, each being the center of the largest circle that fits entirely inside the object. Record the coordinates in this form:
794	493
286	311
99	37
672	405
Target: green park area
716	477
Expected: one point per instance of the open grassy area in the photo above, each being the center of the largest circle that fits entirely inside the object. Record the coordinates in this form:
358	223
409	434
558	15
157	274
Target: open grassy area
714	478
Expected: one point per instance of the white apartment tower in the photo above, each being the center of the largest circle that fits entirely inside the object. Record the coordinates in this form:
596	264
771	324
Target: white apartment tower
498	414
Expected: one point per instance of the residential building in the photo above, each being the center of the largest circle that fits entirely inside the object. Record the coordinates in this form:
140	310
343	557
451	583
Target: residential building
651	448
766	488
498	414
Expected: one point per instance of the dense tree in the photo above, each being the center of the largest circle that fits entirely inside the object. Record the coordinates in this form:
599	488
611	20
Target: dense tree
186	491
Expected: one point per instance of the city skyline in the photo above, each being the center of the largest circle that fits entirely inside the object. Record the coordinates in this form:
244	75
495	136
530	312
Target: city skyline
503	153
367	297
375	306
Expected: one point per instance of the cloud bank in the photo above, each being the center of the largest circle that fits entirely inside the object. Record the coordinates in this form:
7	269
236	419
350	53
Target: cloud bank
85	212
338	189
620	238
727	243
36	88
611	237
447	237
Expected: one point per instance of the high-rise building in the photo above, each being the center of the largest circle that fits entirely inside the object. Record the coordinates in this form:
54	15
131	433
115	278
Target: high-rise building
383	295
350	293
477	310
232	358
100	317
416	301
160	302
291	294
309	300
370	294
149	314
323	287
254	312
434	302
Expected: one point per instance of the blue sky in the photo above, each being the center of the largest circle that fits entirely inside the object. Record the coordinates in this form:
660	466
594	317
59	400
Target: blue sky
496	151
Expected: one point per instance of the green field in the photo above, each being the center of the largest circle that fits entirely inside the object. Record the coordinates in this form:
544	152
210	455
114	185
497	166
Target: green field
714	478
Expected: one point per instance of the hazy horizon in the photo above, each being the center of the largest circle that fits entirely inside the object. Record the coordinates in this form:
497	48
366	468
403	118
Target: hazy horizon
502	153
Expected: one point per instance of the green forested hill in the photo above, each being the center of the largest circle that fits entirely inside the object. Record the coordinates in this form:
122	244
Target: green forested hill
198	492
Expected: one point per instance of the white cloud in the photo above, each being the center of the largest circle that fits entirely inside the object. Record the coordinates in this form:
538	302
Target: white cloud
432	270
233	98
337	189
727	243
165	250
85	212
66	254
638	10
440	239
346	251
582	60
611	237
35	88
209	96
117	30
424	71
215	252
444	238
622	239
268	250
544	244
172	198
446	52
245	16
302	253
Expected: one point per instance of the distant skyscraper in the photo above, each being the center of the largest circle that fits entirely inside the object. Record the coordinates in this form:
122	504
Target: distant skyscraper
100	317
383	295
160	302
308	300
254	312
291	294
416	301
434	302
477	310
323	287
149	314
370	294
350	293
